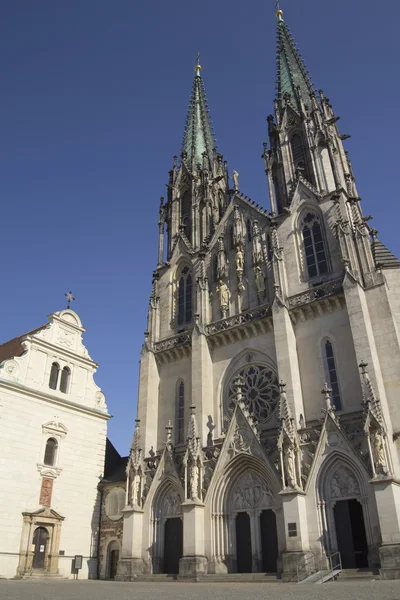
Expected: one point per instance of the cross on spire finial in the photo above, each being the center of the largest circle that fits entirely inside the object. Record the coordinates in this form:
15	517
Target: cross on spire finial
198	65
69	298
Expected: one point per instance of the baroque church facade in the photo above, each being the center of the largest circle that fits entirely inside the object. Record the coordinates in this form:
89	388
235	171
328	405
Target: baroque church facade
53	426
268	410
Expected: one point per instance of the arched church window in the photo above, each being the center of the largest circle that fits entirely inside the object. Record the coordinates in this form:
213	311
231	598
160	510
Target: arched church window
180	417
248	230
299	160
65	377
215	267
269	247
260	391
50	452
54	372
314	247
231	238
186	214
221	207
185	297
332	374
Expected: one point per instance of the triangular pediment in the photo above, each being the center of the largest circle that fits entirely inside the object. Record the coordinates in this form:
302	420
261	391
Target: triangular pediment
303	191
166	472
332	440
182	248
45	512
246	207
242	438
290	118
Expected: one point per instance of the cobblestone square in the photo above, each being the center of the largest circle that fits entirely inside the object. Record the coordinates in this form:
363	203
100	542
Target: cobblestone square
104	590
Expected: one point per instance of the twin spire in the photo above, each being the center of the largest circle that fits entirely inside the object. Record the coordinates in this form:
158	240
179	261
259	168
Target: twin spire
198	137
293	83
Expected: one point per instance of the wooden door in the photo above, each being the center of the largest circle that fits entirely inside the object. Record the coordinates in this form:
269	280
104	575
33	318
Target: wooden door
40	539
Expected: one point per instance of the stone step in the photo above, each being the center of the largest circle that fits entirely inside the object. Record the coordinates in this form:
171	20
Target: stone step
42	575
240	578
357	574
159	577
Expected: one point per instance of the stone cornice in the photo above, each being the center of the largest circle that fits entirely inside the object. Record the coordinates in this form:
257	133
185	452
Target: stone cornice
38	395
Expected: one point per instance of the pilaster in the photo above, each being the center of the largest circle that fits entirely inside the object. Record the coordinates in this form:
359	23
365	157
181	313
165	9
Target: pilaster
131	561
149	379
387	495
296	533
286	356
194	561
202	381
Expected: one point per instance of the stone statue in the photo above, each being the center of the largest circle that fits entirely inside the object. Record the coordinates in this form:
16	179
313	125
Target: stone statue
135	490
223	292
194	481
239	260
235	176
259	279
222	264
211	428
258	255
379	453
288	461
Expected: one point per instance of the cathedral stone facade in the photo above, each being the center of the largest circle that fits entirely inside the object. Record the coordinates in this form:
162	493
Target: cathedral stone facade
268	411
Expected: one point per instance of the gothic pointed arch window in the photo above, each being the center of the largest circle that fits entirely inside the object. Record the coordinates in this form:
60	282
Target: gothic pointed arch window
331	373
248	230
185	300
186	214
298	154
54	373
314	245
65	378
215	267
180	412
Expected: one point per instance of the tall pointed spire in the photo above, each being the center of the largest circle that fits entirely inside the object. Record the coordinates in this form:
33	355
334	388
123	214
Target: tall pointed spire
292	76
198	137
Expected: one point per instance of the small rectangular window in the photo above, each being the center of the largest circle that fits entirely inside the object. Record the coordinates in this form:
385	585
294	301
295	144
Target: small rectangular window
292	529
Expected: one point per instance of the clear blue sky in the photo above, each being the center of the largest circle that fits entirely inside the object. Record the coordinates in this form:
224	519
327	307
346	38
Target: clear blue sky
93	103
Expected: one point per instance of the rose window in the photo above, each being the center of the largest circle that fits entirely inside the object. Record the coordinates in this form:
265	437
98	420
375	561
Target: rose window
260	391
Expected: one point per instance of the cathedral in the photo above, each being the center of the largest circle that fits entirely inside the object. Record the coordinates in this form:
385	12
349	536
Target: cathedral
268	410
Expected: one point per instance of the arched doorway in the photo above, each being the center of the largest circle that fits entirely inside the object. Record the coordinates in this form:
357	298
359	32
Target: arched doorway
112	559
40	542
173	545
344	510
244	533
167	530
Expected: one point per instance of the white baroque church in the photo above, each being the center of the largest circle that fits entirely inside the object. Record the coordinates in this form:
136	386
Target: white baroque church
268	410
53	425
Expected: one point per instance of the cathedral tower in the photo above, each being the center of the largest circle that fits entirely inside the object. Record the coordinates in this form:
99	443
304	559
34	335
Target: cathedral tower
242	464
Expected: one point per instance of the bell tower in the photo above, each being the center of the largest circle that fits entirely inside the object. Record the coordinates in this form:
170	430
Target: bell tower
304	138
198	185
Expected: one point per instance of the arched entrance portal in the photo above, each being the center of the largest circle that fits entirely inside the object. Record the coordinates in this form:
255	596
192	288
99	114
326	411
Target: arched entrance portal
40	542
244	534
344	513
167	531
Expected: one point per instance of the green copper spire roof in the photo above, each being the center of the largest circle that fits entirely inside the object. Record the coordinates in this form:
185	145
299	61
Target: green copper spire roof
292	73
198	136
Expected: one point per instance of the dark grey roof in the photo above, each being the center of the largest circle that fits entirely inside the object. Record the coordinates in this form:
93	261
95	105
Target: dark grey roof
383	257
115	465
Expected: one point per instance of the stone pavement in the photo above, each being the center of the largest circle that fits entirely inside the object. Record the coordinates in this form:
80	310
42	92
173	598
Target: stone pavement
105	590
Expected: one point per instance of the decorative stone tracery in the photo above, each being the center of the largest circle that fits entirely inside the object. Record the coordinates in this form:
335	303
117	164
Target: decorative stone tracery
260	391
